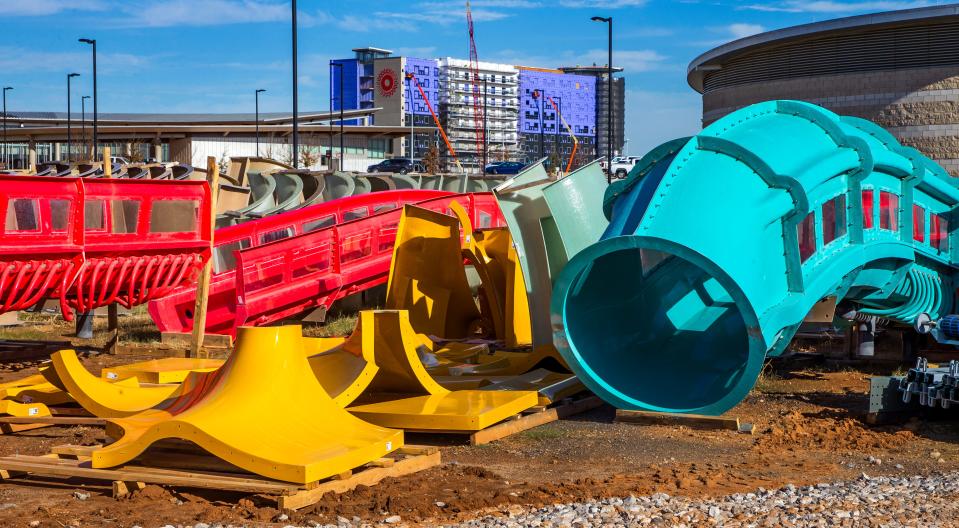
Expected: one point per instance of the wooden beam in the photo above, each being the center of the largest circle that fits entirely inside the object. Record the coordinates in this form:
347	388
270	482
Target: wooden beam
529	421
203	285
366	477
52	420
693	421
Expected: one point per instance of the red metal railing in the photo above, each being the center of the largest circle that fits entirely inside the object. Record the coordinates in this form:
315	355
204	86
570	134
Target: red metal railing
95	242
41	247
174	312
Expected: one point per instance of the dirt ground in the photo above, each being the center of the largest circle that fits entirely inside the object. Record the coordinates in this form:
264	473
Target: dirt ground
809	428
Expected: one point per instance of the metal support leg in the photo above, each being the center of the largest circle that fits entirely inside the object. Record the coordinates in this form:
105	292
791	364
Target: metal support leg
867	339
84	325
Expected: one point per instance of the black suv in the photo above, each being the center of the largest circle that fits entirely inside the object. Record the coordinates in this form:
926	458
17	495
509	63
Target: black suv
397	165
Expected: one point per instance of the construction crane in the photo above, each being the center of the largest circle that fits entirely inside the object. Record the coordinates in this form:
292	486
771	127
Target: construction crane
436	120
478	121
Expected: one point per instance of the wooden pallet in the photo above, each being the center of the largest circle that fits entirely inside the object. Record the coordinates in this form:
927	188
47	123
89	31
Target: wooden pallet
534	417
193	469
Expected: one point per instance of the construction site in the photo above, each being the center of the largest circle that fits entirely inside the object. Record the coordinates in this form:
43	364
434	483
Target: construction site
755	325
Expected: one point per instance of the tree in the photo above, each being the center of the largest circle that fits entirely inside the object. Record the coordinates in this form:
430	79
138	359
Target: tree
224	164
309	156
431	160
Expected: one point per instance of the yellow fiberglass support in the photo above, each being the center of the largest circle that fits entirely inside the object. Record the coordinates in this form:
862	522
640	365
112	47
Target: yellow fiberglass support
101	397
163	370
262	411
503	299
427	277
428	405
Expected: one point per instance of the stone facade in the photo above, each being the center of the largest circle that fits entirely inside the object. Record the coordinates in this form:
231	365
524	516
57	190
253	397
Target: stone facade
918	106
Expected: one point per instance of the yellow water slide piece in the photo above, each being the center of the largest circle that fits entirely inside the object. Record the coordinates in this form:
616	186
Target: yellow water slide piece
23	410
397	351
346	369
163	370
101	397
316	345
32	379
13	408
428	406
464	410
503	298
427	277
263	411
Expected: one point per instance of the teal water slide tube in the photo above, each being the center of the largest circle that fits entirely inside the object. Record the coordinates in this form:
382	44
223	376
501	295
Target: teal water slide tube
719	245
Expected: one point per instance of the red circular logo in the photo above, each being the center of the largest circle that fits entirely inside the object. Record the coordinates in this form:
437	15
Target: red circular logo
387	81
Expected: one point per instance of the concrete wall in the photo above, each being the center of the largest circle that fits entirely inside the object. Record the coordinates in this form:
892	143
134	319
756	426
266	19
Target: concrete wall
918	106
356	156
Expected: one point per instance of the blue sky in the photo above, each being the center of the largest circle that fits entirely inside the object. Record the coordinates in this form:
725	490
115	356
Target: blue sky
210	55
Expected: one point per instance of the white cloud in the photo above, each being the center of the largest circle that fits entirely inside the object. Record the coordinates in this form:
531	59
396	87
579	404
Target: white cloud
48	7
742	30
602	4
830	6
14	59
166	13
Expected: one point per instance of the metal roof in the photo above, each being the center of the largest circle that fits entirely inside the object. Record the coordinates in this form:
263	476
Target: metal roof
713	59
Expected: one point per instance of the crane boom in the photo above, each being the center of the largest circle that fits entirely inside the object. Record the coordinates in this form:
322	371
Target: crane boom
435	119
479	132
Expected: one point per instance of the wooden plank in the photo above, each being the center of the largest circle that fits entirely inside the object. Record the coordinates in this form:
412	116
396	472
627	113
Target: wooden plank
529	421
73	468
367	477
203	285
694	421
52	420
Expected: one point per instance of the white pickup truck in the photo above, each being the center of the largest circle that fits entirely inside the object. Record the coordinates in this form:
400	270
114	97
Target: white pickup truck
622	165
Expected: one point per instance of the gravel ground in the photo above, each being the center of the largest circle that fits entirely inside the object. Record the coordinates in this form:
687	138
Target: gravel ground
867	501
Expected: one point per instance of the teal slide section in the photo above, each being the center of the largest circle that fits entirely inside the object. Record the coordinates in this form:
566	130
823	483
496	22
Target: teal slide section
719	245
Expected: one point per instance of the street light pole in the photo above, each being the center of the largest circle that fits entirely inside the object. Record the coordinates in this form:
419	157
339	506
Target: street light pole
83	122
609	97
540	96
256	96
296	134
6	159
342	159
69	119
93	42
409	88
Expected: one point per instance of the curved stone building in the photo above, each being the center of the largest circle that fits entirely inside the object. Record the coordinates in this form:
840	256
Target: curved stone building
899	69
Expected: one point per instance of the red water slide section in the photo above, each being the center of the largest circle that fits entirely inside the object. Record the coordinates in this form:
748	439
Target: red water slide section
272	268
93	242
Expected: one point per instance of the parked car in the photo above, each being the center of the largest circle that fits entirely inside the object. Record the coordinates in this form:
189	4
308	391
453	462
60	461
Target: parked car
119	160
623	164
504	167
397	165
